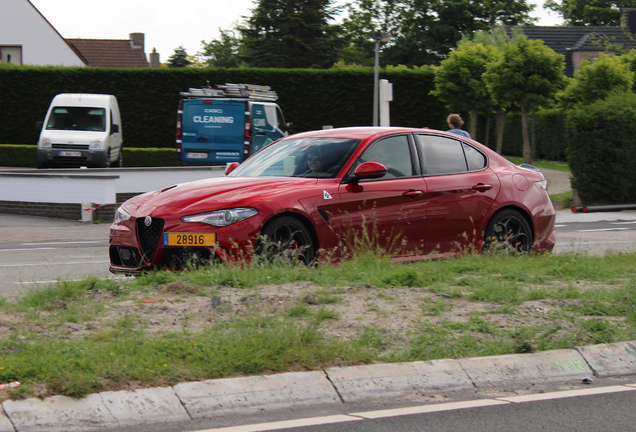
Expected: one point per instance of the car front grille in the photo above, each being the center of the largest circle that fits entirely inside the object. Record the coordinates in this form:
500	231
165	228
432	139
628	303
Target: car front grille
149	237
125	256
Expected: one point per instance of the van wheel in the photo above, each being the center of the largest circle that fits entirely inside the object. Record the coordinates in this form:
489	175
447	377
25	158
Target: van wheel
120	159
106	163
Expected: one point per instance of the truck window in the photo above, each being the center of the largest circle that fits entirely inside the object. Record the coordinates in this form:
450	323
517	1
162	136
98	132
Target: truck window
77	118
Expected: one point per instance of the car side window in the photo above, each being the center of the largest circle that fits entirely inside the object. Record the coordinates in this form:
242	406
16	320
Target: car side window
392	152
442	155
476	160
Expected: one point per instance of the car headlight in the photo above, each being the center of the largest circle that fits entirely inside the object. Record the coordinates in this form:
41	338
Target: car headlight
221	218
543	184
121	215
45	143
96	144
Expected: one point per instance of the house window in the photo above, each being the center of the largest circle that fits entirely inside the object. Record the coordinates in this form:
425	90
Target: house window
11	54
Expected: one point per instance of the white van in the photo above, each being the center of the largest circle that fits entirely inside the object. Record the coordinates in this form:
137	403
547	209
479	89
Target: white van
81	130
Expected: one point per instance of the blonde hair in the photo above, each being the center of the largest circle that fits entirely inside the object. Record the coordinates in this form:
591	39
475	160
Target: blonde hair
455	120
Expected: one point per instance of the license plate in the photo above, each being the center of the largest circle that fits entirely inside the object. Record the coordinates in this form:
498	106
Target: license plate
189	239
70	154
197	156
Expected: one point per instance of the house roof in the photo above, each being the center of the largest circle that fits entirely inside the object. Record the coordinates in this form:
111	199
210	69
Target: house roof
565	40
110	53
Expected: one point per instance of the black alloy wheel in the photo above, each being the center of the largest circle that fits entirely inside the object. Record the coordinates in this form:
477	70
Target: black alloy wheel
288	240
508	230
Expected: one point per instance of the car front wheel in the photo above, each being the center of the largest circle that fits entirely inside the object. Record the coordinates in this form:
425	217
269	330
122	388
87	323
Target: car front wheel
288	240
508	230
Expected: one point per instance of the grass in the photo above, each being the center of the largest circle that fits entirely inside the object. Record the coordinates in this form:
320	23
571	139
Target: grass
591	300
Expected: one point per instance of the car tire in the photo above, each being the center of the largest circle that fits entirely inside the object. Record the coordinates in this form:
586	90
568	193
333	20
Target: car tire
508	230
286	239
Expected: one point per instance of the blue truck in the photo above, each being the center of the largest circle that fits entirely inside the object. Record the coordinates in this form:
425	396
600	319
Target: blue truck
227	123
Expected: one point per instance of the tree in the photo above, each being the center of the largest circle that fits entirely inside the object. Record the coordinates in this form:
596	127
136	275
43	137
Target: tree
590	12
459	80
179	58
596	80
291	34
425	31
223	52
528	75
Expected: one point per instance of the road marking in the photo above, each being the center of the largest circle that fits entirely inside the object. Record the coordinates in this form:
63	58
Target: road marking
67	242
26	249
287	424
423	409
566	394
623	223
595	243
53	264
603	229
560	226
449	406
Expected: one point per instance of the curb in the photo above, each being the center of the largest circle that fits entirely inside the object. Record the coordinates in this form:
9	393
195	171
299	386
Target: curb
249	395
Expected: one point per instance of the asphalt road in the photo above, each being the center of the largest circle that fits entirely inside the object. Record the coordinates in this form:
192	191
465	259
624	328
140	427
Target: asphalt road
607	405
36	251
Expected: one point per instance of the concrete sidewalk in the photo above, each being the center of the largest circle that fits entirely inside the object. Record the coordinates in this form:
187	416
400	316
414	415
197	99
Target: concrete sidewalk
333	386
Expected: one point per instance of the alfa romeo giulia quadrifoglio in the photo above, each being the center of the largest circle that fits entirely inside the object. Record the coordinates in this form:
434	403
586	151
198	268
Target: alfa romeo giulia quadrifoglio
408	192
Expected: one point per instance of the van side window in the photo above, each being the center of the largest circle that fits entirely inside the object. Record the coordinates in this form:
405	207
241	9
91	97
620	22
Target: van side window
281	120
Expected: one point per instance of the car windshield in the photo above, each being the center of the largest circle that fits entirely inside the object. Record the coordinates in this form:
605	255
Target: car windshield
302	157
77	118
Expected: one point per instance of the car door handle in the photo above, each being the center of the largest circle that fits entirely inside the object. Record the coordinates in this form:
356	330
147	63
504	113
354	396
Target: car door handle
260	133
413	194
482	187
202	139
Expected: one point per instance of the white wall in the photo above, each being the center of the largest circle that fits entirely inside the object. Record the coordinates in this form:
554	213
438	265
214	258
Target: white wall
93	185
23	25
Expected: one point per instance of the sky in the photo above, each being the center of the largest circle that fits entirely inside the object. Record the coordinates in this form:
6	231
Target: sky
167	24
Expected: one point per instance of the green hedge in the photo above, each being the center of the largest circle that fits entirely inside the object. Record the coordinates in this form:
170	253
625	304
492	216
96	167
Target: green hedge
25	156
18	155
602	150
148	98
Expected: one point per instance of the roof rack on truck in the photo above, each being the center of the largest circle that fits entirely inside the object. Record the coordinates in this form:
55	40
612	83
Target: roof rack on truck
245	91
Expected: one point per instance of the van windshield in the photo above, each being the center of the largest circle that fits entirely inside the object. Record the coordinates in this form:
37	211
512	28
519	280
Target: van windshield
304	157
77	118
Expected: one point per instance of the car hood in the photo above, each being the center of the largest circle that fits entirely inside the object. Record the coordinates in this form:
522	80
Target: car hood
215	193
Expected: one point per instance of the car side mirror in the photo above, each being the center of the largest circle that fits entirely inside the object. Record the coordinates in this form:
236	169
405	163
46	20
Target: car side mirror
289	127
114	129
38	125
369	170
231	167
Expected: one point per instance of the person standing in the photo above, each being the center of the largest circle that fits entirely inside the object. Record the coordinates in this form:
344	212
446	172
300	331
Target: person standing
455	123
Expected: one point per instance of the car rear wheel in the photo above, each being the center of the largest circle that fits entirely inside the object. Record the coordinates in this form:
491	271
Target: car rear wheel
508	230
288	240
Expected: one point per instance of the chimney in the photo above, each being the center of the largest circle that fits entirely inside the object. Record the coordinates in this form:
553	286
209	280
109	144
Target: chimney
137	41
154	58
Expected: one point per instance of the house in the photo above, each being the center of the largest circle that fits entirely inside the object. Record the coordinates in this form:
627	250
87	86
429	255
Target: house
577	42
112	53
26	37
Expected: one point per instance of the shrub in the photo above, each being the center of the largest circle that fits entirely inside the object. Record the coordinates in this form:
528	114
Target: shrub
602	150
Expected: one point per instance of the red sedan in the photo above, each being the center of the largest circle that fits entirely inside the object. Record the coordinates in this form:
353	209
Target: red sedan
409	192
